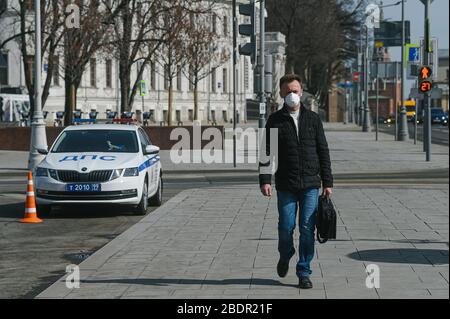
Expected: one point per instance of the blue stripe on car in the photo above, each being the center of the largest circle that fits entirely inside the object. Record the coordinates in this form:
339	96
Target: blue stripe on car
148	163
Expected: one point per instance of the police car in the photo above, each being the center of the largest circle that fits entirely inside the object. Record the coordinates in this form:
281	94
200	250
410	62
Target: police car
100	164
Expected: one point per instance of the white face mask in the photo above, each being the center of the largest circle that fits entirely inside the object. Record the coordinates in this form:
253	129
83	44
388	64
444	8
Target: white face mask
292	100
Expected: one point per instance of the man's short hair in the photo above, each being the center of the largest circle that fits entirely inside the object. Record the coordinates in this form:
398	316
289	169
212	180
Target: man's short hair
288	78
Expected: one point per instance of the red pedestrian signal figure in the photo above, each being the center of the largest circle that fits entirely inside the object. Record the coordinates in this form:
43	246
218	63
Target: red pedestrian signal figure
425	73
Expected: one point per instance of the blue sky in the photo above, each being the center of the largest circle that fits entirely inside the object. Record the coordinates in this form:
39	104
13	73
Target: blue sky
415	12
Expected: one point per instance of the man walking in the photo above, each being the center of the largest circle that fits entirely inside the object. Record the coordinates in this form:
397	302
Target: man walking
303	166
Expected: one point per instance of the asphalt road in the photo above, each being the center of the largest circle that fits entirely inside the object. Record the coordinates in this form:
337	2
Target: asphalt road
439	133
33	256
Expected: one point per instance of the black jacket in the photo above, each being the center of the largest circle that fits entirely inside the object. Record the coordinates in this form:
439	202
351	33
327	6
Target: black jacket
303	159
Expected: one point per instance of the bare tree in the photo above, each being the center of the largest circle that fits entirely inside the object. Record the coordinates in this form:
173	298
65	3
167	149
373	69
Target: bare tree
137	35
52	19
200	50
80	45
320	37
171	54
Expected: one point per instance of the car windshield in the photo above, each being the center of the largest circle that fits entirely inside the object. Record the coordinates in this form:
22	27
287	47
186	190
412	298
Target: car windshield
437	112
108	141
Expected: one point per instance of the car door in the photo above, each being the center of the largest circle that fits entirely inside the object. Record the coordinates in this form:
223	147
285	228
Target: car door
150	161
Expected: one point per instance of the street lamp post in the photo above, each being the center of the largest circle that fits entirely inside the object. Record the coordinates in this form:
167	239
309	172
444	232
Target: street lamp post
262	97
366	116
403	134
38	135
361	80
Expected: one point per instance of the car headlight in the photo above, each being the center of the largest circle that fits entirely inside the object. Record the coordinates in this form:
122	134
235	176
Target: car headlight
133	171
41	172
116	174
53	174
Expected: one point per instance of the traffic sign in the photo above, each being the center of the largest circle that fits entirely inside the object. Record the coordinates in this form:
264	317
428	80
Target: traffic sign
142	88
346	84
356	76
262	108
413	53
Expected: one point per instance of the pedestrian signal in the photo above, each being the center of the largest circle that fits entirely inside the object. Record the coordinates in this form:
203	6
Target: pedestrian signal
425	73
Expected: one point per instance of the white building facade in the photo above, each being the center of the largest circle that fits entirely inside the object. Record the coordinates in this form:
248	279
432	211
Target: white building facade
99	88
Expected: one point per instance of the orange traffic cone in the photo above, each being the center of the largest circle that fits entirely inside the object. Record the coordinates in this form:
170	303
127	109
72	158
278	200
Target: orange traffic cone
30	204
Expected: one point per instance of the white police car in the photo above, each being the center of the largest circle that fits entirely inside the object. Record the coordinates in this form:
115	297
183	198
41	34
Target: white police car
100	164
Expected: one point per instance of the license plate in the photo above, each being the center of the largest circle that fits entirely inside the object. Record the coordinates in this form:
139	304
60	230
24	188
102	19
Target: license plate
83	188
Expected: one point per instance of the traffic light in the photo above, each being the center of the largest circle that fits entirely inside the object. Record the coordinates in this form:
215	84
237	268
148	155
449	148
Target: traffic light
424	79
249	48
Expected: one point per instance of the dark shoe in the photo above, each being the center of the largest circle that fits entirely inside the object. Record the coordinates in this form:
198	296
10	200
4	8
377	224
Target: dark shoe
282	268
305	283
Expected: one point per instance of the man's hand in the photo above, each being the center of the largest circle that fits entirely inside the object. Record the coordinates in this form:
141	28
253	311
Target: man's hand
327	191
266	190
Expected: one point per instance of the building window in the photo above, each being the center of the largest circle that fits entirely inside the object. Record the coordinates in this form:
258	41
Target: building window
178	116
30	63
191	78
191	115
165	116
213	115
213	80
225	80
214	23
153	75
246	85
224	115
166	77
139	65
179	78
3	5
225	26
55	62
29	5
191	18
4	69
93	72
108	73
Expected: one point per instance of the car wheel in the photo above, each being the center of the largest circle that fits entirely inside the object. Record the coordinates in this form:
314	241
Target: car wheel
156	199
141	209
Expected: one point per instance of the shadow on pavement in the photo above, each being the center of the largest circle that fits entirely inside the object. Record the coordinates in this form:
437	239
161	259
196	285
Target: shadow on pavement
165	282
401	241
17	211
12	210
403	256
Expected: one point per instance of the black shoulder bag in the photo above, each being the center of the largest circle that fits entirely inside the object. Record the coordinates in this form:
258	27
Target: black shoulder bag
325	220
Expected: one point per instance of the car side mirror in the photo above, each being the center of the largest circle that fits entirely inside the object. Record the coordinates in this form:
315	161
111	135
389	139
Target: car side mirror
42	151
151	149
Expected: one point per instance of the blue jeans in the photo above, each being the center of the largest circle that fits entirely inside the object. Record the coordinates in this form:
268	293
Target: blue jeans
287	210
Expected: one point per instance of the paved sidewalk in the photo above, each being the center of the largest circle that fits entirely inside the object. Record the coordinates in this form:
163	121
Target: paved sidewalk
222	243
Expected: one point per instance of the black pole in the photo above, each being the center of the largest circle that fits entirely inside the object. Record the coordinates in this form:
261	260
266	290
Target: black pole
234	80
427	100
